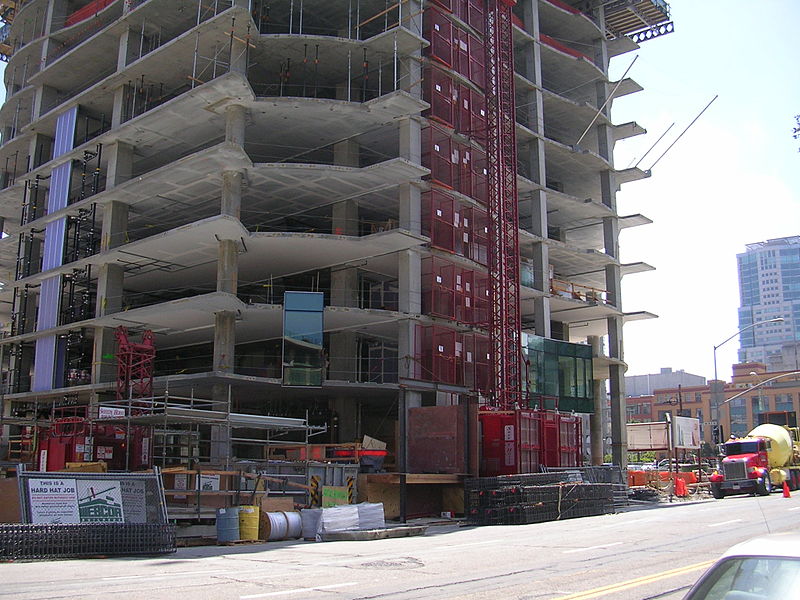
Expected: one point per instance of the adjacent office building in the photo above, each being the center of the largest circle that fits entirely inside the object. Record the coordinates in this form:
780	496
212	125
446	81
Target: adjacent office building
769	286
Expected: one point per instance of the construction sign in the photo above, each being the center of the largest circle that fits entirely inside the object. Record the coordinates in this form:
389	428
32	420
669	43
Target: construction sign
52	498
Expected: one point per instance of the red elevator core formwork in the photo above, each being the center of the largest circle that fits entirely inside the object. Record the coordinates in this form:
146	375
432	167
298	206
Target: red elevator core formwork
454	292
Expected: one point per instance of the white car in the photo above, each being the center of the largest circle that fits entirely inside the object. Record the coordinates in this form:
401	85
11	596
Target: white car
763	568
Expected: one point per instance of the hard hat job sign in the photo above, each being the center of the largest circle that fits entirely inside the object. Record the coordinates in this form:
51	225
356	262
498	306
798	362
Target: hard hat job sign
75	501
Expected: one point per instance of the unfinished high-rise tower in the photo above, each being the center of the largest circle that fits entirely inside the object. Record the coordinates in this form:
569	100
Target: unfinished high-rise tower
322	215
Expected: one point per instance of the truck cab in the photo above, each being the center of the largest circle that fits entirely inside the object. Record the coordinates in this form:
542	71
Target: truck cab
744	468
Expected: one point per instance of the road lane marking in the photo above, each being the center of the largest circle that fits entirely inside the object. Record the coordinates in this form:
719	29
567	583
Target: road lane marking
724	523
622	523
591	548
625	585
298	590
795	508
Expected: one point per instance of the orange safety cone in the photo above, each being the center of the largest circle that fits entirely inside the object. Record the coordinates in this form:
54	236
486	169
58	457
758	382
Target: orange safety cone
680	487
786	492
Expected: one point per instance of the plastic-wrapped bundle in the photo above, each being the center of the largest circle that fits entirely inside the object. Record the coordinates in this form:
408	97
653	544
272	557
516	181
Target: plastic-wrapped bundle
339	518
370	515
311	519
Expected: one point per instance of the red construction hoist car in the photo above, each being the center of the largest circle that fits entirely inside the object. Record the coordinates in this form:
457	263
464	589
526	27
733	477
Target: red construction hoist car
515	440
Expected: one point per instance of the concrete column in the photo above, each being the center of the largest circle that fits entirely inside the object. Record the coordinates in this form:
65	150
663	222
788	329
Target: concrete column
122	54
344	287
619	435
110	282
409	71
613	286
115	226
44	99
410	281
228	267
406	333
605	142
347	153
104	363
596	418
224	341
232	185
347	410
344	292
608	187
120	163
235	121
343	357
40	149
411	140
410	208
118	112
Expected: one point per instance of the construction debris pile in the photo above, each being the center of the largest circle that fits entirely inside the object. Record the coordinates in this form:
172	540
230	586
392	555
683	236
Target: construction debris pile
534	498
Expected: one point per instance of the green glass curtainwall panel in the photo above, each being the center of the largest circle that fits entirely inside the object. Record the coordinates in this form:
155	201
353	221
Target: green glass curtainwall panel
303	359
561	370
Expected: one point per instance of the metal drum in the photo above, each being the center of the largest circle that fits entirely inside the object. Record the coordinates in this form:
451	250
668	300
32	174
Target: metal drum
228	524
248	522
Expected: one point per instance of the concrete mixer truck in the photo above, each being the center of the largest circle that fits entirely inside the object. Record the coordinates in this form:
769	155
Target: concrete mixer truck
761	461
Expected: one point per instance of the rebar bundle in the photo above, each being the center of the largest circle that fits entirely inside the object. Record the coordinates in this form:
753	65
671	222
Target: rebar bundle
51	541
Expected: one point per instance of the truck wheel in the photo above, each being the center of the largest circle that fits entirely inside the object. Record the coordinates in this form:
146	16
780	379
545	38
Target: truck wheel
765	487
716	491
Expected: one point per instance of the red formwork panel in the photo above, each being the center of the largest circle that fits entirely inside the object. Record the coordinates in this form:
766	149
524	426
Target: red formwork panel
474	306
472	234
438	30
441	226
441	94
439	156
90	10
480	177
438	288
447	5
477	61
483	379
460	44
477	108
476	15
437	439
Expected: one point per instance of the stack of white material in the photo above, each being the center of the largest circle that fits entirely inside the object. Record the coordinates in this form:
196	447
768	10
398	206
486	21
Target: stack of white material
370	515
348	517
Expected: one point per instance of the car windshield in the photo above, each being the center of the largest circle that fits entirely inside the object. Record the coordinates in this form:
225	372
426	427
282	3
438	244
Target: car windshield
734	448
751	578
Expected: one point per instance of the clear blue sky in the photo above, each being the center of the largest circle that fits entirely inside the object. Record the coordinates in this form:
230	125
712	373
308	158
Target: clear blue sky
733	179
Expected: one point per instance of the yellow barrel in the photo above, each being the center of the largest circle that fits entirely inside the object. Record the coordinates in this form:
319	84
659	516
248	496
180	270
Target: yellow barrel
248	522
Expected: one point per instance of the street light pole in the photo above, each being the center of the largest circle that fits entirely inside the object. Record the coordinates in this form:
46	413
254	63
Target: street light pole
717	387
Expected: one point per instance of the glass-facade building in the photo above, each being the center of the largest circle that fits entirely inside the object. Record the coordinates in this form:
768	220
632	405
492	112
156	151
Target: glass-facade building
769	288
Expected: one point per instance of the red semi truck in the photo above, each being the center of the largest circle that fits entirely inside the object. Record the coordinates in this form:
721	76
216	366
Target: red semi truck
761	461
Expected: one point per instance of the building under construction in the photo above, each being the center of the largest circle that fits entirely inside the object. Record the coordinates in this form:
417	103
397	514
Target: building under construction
238	224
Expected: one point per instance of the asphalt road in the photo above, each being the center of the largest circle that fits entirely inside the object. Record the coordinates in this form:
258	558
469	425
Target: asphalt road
641	554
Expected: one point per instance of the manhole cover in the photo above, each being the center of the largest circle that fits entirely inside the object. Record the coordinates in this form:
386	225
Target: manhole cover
404	562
